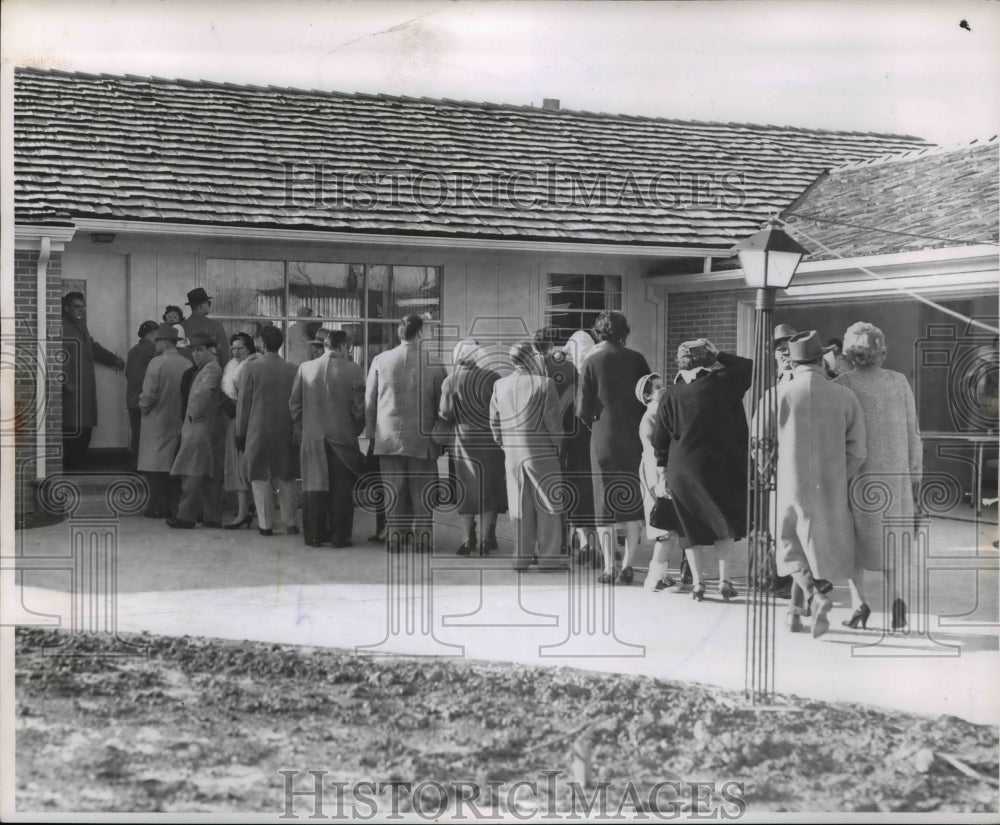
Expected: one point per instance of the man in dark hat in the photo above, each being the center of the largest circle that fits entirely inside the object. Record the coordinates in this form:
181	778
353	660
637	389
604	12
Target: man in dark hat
199	459
199	322
136	363
79	389
782	333
821	445
160	432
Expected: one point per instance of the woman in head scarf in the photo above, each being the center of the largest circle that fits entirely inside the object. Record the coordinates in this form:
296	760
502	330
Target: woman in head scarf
575	456
894	463
478	461
701	439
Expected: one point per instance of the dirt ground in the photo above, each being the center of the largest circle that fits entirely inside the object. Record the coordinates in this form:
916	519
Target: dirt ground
201	725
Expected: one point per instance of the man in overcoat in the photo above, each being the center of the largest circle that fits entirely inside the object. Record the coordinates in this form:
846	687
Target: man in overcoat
79	389
160	432
526	422
821	445
264	432
401	402
327	407
199	460
136	364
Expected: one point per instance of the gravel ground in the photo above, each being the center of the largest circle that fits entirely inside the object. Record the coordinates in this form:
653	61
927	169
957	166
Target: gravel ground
202	725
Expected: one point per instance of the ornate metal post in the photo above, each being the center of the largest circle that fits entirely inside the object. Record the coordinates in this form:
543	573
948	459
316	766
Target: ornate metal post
761	515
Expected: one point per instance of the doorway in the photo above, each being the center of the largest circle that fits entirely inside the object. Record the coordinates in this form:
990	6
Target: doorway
104	280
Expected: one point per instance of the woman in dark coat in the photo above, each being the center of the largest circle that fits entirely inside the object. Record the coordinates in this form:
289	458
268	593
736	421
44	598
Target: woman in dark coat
478	461
701	441
607	404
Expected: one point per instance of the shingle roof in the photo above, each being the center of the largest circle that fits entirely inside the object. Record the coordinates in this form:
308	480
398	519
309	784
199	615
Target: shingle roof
923	200
151	149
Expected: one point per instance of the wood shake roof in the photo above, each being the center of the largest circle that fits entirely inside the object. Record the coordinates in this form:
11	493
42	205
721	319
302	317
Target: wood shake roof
926	199
195	152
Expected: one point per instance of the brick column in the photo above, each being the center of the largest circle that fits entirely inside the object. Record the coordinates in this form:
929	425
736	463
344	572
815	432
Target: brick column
28	359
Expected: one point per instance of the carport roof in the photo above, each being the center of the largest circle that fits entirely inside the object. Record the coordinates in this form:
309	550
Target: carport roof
196	152
927	199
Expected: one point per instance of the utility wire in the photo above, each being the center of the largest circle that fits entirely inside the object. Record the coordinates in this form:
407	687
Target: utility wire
890	282
889	231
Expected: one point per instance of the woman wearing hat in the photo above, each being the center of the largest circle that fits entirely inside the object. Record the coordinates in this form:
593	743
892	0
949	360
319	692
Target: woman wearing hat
607	405
648	391
700	440
478	461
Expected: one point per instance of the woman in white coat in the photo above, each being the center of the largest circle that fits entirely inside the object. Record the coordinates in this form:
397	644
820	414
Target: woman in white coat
525	422
666	543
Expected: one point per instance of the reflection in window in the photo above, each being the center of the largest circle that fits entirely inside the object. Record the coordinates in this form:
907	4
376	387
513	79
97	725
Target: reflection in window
367	300
573	302
328	290
395	291
248	288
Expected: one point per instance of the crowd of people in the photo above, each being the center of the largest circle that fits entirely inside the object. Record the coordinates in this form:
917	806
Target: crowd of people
582	445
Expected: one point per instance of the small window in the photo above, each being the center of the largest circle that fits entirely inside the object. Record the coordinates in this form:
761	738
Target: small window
573	302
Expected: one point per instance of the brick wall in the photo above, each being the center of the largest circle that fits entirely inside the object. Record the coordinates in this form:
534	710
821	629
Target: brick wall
703	315
28	360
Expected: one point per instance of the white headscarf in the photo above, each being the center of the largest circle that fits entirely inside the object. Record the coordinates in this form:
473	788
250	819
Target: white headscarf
467	350
578	347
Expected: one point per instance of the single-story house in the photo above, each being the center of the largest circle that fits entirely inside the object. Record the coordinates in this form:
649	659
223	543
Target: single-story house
489	220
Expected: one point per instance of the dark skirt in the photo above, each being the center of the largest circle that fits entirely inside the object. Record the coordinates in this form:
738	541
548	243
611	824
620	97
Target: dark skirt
477	467
575	461
712	507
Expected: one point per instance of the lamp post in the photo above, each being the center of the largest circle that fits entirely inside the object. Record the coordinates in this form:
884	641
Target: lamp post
769	260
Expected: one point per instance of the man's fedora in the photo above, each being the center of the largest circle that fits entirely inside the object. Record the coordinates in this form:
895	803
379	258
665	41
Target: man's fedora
197	296
166	332
203	339
806	346
783	332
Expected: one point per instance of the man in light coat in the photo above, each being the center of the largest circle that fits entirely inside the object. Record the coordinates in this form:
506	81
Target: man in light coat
199	459
79	389
401	402
327	407
160	432
526	422
821	445
264	432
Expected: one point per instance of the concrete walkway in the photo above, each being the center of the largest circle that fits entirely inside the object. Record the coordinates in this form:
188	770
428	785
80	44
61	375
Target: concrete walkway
239	585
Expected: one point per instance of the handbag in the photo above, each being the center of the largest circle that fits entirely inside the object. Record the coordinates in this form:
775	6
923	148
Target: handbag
664	516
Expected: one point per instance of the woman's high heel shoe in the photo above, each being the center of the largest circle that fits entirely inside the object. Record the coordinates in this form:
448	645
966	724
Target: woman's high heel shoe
898	614
727	591
243	522
626	575
860	616
698	592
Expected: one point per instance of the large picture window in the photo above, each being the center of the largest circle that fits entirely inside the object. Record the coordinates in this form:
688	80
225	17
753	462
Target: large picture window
365	299
573	302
